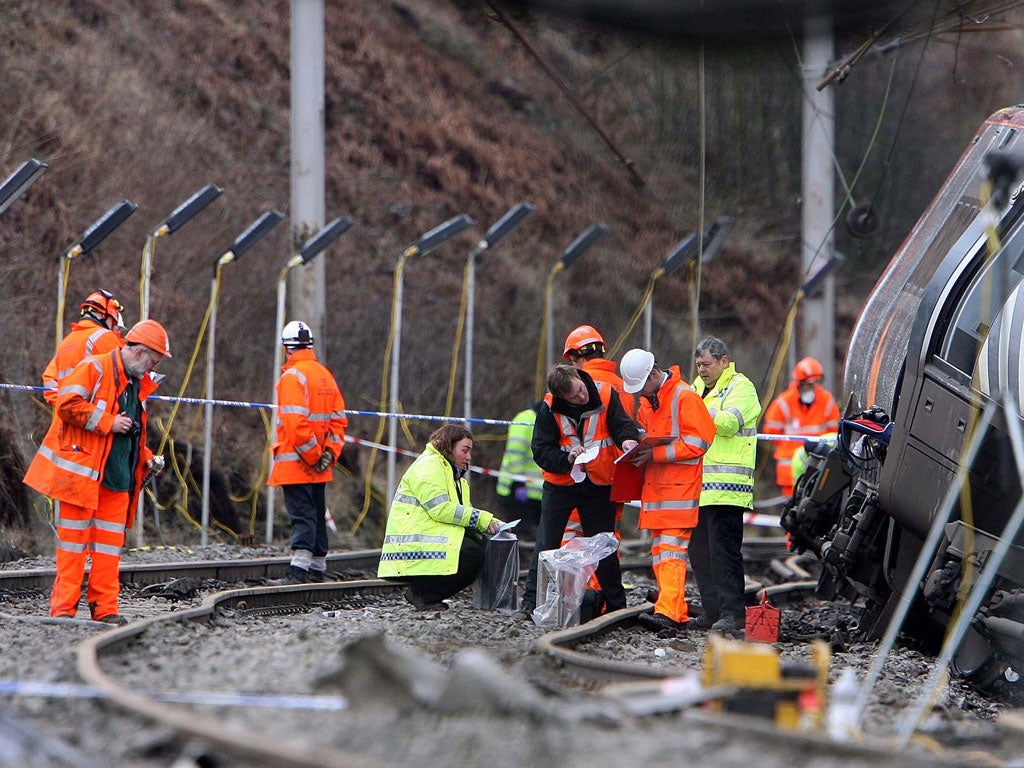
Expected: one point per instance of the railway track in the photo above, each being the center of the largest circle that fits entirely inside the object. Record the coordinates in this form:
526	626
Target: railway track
114	662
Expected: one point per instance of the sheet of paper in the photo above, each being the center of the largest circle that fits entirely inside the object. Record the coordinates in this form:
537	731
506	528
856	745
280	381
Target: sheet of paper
577	473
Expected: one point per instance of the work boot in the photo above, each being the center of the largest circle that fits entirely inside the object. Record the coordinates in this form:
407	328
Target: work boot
660	623
317	577
703	622
112	618
295	575
422	605
729	624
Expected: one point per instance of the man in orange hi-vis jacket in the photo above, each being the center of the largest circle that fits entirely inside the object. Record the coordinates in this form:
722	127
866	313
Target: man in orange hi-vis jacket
804	408
93	461
585	349
310	435
678	432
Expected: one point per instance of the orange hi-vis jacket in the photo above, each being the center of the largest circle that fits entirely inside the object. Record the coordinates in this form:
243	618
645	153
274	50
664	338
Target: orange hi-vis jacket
672	480
87	337
788	416
594	431
310	419
69	464
602	370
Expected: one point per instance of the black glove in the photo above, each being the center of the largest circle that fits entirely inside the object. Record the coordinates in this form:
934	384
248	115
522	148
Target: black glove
324	462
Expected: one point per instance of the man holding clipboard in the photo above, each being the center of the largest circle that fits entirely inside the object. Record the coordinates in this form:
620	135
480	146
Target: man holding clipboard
679	431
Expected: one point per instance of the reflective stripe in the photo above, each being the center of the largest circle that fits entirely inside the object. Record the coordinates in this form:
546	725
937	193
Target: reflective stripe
671	541
287	457
737	413
668	554
294	409
319	417
466	516
70	546
105	549
738	487
97	414
74	389
407	499
415	538
444	498
309	445
727	469
74	525
108	526
68	466
426	555
90	343
683	504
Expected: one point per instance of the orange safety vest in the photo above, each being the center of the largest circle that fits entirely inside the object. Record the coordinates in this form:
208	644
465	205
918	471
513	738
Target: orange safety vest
69	464
788	416
670	496
594	430
603	370
86	338
310	419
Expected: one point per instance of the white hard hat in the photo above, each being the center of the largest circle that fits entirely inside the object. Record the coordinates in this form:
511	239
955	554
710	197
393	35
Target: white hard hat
635	367
297	334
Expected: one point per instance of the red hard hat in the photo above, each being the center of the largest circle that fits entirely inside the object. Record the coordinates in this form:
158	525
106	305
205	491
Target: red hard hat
101	304
581	337
808	369
150	334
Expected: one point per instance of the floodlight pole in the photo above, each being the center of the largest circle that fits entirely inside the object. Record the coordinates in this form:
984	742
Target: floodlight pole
193	205
431	240
498	230
92	237
569	257
242	243
312	248
15	185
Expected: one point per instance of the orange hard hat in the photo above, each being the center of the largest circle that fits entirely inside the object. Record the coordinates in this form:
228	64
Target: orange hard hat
151	334
584	339
808	369
101	304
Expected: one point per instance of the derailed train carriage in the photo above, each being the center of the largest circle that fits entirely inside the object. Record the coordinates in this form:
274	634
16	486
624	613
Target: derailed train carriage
941	336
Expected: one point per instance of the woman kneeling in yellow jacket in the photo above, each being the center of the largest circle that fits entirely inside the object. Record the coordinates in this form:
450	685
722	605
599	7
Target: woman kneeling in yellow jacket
433	540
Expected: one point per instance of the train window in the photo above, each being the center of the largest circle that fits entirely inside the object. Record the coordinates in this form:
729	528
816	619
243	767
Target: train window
976	310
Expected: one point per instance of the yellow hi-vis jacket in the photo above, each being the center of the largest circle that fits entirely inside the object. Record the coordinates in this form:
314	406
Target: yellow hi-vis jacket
518	458
427	521
729	463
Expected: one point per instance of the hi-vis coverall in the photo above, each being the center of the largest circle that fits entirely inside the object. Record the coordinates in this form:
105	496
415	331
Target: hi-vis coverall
69	467
672	484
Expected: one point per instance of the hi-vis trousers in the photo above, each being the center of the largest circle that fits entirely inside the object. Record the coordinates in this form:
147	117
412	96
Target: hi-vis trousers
83	532
668	558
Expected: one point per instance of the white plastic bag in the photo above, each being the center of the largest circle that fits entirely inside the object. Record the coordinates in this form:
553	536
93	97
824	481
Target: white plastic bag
563	575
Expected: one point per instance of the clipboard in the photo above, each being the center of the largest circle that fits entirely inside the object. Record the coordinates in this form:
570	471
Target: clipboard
645	441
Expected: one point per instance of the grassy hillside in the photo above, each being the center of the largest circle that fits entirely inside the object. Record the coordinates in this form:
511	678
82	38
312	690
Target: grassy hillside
434	108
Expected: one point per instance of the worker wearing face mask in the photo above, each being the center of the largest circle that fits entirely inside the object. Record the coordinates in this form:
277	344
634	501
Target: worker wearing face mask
804	408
